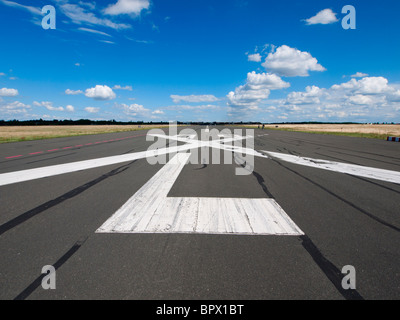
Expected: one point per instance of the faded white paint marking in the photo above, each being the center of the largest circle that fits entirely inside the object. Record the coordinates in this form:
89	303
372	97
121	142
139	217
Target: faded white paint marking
49	171
150	211
217	144
43	172
352	169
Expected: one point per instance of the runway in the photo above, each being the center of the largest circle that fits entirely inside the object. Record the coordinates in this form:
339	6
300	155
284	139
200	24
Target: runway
311	205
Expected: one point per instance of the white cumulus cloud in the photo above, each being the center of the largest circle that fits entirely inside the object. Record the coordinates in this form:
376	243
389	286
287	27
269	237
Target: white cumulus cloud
257	88
135	110
158	112
100	92
73	92
194	98
5	92
127	7
326	16
359	75
290	62
48	105
13	109
265	80
367	85
364	100
360	99
118	87
92	109
70	108
310	96
256	57
373	85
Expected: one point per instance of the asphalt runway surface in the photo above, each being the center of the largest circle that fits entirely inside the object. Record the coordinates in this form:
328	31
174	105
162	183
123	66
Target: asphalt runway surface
344	219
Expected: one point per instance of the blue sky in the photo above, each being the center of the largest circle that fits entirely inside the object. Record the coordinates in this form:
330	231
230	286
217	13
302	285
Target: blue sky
200	60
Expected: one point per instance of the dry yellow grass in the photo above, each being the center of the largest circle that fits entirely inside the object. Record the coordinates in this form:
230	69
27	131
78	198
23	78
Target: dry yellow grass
361	130
24	133
387	129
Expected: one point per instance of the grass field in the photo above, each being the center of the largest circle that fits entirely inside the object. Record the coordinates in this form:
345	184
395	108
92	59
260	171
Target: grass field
26	133
376	131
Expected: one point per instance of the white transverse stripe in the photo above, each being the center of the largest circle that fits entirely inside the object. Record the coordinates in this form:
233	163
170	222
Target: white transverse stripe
49	171
352	169
150	211
37	173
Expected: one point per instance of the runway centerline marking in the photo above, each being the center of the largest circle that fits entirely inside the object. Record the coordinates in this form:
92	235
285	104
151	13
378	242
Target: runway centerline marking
149	210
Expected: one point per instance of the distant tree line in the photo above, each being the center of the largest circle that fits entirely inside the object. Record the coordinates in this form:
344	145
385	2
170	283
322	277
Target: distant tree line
81	122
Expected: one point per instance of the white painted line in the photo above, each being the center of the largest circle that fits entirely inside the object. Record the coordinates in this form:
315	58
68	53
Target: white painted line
149	196
218	144
43	172
237	149
352	169
49	171
150	211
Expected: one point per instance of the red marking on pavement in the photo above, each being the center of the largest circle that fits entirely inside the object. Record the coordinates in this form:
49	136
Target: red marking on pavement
77	146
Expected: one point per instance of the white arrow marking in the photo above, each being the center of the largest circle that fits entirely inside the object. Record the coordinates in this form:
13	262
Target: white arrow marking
150	211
